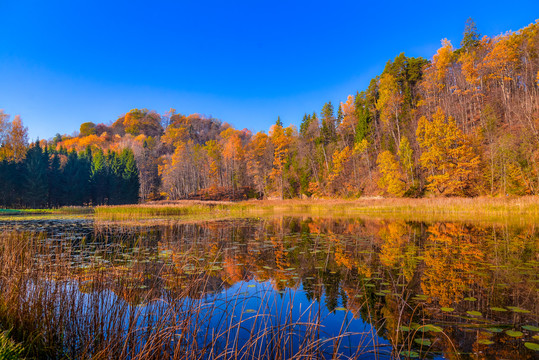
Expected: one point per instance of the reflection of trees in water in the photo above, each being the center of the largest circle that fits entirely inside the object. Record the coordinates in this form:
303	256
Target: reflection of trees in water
451	262
449	259
334	260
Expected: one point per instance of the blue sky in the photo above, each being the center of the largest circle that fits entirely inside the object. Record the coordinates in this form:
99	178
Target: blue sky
66	62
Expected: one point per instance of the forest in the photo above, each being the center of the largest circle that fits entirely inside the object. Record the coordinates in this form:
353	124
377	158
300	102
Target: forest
464	123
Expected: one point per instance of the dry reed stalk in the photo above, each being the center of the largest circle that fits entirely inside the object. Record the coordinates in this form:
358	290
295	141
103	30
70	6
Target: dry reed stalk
59	310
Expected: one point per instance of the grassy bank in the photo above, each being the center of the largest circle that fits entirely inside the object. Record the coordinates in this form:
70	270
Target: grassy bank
65	210
443	208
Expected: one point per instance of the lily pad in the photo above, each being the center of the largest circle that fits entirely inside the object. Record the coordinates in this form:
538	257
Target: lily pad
424	342
474	313
499	309
518	310
250	311
433	328
494	329
485	342
514	333
532	346
410	354
447	309
530	328
404	328
340	309
470	298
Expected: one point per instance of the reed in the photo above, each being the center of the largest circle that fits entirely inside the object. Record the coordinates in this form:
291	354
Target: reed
9	349
60	308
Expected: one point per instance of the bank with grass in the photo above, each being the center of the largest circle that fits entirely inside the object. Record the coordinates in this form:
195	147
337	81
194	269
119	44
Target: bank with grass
472	208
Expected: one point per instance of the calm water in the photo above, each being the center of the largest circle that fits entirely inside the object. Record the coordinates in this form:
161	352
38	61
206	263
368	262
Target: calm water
387	288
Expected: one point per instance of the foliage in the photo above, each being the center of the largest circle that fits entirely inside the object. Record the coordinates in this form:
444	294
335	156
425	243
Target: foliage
448	156
50	178
390	171
464	123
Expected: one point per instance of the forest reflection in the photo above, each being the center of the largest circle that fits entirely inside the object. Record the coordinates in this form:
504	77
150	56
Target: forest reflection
450	289
474	282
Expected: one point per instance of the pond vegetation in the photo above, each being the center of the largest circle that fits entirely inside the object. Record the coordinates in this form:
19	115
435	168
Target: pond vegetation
269	287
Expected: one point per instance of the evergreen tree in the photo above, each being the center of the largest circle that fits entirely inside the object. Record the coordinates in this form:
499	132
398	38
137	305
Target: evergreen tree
471	35
115	179
10	179
363	117
304	126
130	177
327	132
76	179
36	177
99	183
54	176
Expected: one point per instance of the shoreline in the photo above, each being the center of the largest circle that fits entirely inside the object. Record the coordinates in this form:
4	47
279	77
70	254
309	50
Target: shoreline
465	208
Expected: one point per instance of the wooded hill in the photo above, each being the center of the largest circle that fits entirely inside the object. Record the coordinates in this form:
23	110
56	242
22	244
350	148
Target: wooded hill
464	123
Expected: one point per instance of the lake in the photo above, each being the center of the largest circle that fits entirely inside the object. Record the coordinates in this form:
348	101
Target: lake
270	287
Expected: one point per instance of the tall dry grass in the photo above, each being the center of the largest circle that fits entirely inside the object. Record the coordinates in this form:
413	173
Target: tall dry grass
479	208
59	309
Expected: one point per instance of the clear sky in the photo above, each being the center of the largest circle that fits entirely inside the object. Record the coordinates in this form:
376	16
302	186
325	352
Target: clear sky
66	62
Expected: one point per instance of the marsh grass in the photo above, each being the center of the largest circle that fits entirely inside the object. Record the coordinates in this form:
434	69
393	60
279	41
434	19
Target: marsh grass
64	210
62	304
9	349
454	209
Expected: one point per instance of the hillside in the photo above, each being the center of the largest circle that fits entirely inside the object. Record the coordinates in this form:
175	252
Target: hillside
464	123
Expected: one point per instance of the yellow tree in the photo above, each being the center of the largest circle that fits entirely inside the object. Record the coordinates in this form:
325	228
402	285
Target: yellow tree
4	127
406	158
142	121
435	77
347	127
233	156
183	173
389	104
13	138
259	161
471	90
448	156
336	179
390	174
469	61
214	151
501	62
174	136
281	140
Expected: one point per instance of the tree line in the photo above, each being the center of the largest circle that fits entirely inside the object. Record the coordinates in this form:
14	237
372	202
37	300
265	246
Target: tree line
45	177
464	123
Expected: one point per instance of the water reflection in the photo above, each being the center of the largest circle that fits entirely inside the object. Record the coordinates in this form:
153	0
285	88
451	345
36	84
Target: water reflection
442	289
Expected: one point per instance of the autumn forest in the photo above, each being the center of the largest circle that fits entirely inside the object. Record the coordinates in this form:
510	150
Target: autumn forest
464	123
